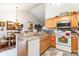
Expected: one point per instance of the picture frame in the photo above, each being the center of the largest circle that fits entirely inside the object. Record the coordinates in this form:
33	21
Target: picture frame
2	24
12	25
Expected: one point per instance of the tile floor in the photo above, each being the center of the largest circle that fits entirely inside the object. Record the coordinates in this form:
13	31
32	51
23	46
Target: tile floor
57	52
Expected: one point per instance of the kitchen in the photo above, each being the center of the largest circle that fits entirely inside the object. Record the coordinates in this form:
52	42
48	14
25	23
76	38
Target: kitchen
28	42
65	20
58	36
39	29
16	19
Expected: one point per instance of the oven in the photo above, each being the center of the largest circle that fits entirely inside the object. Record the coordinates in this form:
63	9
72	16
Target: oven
63	40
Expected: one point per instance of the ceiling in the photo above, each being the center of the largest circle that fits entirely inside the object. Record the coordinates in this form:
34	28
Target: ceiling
35	9
26	6
7	7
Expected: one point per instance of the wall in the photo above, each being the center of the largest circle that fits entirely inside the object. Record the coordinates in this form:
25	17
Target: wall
53	10
39	13
36	14
29	15
7	13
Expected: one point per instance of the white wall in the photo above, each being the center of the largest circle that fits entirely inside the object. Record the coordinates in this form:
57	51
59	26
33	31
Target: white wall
25	16
39	12
53	10
7	13
28	12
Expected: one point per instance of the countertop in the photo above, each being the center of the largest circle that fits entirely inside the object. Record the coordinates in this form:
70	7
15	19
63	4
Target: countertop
30	36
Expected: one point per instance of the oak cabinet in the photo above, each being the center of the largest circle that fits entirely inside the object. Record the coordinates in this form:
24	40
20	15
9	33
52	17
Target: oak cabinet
44	44
74	46
53	41
74	22
50	23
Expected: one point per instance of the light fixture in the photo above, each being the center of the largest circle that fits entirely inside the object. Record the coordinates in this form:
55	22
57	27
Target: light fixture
44	28
17	22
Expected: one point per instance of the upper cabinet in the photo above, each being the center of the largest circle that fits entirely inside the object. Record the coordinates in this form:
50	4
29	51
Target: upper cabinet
74	20
63	21
57	22
50	23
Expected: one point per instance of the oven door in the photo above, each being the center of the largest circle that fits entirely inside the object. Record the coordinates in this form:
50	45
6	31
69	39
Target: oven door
63	40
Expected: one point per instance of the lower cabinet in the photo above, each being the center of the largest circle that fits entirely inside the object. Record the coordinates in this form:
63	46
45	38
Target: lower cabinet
74	46
44	44
53	41
28	46
33	47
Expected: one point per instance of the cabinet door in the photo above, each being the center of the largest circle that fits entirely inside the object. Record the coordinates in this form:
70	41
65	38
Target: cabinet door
48	41
50	23
33	47
74	22
74	46
53	41
33	50
44	44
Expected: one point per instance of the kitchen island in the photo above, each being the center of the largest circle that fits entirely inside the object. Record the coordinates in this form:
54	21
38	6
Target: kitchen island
32	45
27	45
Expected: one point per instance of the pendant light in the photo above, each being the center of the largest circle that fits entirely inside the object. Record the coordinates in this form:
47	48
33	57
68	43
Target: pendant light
17	22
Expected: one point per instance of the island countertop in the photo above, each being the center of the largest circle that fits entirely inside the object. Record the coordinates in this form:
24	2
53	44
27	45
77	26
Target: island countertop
29	36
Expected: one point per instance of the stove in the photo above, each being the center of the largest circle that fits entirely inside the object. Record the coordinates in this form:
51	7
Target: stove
63	40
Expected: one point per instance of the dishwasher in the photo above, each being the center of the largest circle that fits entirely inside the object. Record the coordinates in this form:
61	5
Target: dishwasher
33	47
